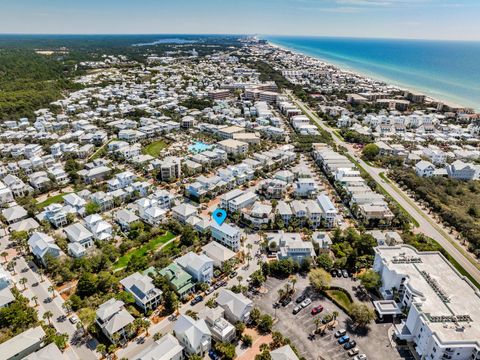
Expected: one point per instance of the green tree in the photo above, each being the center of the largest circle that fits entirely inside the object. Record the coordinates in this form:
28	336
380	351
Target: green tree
247	340
48	316
226	350
370	152
370	280
23	281
101	349
325	261
319	279
92	208
265	323
362	314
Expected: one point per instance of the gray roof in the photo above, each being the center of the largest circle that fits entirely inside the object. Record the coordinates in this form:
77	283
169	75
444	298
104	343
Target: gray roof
236	303
21	342
193	330
165	348
283	353
49	352
14	212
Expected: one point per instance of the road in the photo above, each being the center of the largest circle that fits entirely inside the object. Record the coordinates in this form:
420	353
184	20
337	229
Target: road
166	326
78	349
426	224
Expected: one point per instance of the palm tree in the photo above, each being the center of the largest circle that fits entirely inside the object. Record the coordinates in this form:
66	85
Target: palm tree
35	299
51	289
41	272
281	294
23	281
11	267
335	315
146	325
47	316
101	349
4	254
192	314
115	337
287	288
293	281
239	279
317	322
67	306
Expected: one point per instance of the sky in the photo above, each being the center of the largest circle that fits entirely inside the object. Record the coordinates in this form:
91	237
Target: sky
420	19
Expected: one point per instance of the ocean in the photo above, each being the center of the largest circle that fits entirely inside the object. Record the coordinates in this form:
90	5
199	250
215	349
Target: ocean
444	70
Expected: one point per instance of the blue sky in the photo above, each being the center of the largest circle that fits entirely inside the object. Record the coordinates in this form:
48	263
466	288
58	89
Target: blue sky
426	19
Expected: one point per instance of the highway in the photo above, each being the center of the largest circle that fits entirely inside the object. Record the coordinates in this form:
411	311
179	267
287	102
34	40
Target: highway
426	224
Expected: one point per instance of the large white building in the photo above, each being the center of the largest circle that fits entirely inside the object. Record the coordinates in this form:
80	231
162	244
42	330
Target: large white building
443	307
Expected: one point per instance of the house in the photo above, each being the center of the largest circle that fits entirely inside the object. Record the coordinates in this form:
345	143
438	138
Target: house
240	202
49	352
218	253
125	218
424	168
170	168
305	187
291	245
76	250
283	353
14	214
329	212
56	215
112	318
284	211
322	240
75	202
79	234
233	147
193	335
463	171
42	245
220	328
6	194
27	225
226	234
94	174
259	214
165	348
237	307
6	296
183	211
100	229
17	186
23	344
200	267
146	295
180	280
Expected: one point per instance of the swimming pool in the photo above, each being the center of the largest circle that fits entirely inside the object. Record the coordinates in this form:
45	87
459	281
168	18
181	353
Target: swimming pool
199	147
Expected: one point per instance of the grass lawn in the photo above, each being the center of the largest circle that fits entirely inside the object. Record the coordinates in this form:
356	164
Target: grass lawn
154	148
151	245
340	296
51	200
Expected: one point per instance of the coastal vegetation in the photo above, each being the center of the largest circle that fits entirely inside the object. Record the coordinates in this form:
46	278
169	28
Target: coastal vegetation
455	201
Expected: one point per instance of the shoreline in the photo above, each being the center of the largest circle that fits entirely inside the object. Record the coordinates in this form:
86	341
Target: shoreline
375	77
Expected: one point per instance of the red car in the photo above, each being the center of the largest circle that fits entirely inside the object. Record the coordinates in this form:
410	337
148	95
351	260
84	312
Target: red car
317	310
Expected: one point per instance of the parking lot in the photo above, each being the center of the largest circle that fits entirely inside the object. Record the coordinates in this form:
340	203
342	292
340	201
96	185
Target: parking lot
374	343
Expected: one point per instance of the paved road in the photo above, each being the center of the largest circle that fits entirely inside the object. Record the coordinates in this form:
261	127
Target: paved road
166	326
426	225
35	287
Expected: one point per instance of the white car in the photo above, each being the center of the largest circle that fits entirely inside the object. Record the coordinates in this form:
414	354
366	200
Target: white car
306	302
73	319
360	357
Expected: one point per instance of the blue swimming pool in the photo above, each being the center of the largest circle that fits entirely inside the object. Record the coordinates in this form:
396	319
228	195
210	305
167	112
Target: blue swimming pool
199	147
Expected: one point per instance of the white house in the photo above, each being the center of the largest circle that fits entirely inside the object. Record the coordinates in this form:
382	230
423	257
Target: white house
146	295
424	168
112	318
165	348
237	307
42	245
193	335
200	267
226	234
79	234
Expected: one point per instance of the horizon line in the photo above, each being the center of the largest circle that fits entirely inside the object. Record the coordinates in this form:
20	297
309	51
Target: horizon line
240	35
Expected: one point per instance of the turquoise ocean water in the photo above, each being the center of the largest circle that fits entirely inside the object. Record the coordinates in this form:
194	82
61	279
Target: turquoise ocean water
445	70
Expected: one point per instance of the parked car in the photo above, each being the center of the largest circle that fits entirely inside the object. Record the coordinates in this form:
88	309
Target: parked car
301	298
340	333
334	272
350	345
360	357
209	290
306	302
345	273
317	310
73	319
343	339
196	300
232	275
353	352
213	355
296	309
285	301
